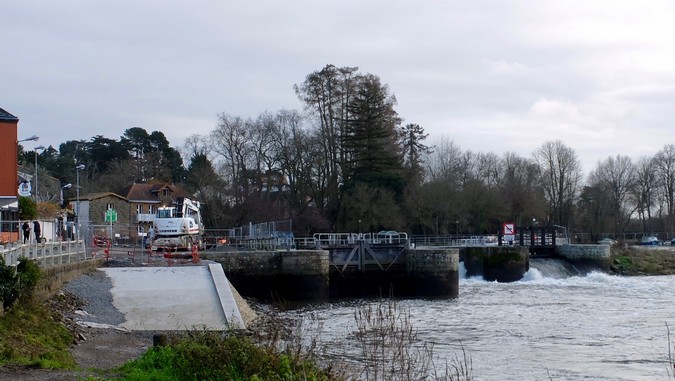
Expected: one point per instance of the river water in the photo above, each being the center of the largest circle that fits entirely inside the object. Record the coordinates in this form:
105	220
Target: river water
551	325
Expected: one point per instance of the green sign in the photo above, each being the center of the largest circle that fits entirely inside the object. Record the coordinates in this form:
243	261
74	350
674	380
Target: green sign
110	215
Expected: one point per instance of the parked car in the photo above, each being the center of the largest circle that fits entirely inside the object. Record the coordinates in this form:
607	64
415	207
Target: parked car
672	241
650	240
607	241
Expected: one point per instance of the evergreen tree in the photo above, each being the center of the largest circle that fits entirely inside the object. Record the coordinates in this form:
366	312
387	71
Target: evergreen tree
372	151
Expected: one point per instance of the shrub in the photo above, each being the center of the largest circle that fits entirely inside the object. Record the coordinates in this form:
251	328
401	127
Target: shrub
219	356
9	290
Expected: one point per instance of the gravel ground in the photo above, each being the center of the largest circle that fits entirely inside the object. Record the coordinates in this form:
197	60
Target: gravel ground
94	291
86	304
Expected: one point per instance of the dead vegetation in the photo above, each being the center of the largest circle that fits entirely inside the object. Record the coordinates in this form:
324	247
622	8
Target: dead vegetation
635	260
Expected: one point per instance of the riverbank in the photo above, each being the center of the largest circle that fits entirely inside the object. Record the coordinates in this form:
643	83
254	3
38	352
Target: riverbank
643	260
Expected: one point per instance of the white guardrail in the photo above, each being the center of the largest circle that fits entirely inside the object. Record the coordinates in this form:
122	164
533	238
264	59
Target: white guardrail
46	254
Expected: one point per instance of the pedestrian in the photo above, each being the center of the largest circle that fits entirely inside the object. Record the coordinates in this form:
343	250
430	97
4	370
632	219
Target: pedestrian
37	231
26	231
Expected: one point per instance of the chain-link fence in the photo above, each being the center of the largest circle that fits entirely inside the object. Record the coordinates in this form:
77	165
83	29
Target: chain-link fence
131	235
262	236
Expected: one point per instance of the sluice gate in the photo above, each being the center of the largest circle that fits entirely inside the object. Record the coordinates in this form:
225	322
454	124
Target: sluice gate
330	266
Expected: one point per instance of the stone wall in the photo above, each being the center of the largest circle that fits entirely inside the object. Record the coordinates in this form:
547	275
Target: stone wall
54	277
496	263
98	208
591	256
279	276
434	271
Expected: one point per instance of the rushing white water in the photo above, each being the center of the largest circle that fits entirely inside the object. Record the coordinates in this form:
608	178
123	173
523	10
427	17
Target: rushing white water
586	327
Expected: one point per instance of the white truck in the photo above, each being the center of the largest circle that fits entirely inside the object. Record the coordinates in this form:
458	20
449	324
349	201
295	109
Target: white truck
178	227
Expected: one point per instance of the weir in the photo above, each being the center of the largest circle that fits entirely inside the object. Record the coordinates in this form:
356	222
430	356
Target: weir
338	265
344	265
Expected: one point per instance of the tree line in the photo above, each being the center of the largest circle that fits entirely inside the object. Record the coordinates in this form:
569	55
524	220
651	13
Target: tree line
348	162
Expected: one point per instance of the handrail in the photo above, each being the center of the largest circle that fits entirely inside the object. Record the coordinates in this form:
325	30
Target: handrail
46	254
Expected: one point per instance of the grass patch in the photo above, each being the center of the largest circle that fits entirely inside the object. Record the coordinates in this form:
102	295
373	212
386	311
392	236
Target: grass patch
642	261
220	356
31	335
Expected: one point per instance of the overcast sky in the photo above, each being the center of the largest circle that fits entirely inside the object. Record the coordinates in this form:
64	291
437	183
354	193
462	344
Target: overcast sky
492	76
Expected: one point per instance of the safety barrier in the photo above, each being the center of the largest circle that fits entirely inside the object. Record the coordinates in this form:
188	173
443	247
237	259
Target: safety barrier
46	254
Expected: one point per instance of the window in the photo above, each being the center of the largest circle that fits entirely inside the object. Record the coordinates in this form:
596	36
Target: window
151	209
110	206
139	209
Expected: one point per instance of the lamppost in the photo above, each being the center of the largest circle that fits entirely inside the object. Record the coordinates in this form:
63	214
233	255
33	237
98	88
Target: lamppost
36	172
78	169
32	138
67	186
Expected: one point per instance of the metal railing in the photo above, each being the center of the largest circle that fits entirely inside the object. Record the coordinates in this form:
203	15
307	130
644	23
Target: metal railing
46	254
348	239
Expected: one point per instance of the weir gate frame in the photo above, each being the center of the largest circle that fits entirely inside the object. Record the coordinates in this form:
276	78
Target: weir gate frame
363	251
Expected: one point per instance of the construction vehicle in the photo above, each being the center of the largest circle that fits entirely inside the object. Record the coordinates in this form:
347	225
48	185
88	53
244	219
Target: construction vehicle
178	227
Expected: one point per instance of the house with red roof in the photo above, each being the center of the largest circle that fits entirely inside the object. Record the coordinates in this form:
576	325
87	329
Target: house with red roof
135	207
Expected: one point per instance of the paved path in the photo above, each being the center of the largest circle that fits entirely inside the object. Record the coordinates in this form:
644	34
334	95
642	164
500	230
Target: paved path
174	298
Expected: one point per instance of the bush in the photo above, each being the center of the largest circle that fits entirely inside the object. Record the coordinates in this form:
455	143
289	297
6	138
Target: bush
18	283
220	356
27	208
9	290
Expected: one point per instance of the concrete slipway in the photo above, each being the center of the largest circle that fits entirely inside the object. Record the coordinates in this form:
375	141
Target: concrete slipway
174	298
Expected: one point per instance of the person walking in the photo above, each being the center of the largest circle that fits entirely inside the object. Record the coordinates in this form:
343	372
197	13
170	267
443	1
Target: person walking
37	231
26	231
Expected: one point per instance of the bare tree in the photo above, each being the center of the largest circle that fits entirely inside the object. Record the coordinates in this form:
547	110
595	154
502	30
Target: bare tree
560	176
644	192
521	193
664	163
445	161
616	175
233	142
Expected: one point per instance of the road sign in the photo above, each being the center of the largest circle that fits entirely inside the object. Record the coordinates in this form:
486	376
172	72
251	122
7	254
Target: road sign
24	189
110	215
509	228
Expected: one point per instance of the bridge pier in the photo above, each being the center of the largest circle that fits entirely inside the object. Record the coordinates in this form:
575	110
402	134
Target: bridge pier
500	263
317	275
279	276
434	272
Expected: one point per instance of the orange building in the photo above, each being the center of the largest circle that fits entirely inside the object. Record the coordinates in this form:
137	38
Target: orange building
9	180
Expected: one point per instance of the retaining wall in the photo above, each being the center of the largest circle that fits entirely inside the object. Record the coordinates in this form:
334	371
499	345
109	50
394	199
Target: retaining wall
496	263
54	277
586	256
279	276
434	271
308	275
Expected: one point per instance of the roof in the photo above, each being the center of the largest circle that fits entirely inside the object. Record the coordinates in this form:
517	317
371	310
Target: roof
151	192
7	117
96	196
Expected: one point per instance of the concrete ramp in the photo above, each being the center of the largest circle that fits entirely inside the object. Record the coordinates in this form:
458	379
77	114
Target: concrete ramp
174	298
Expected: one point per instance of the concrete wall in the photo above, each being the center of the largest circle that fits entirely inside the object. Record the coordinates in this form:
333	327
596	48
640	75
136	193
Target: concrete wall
590	256
434	271
308	275
278	276
496	263
54	277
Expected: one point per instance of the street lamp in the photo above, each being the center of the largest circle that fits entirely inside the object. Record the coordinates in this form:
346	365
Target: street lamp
32	138
67	186
78	169
36	174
